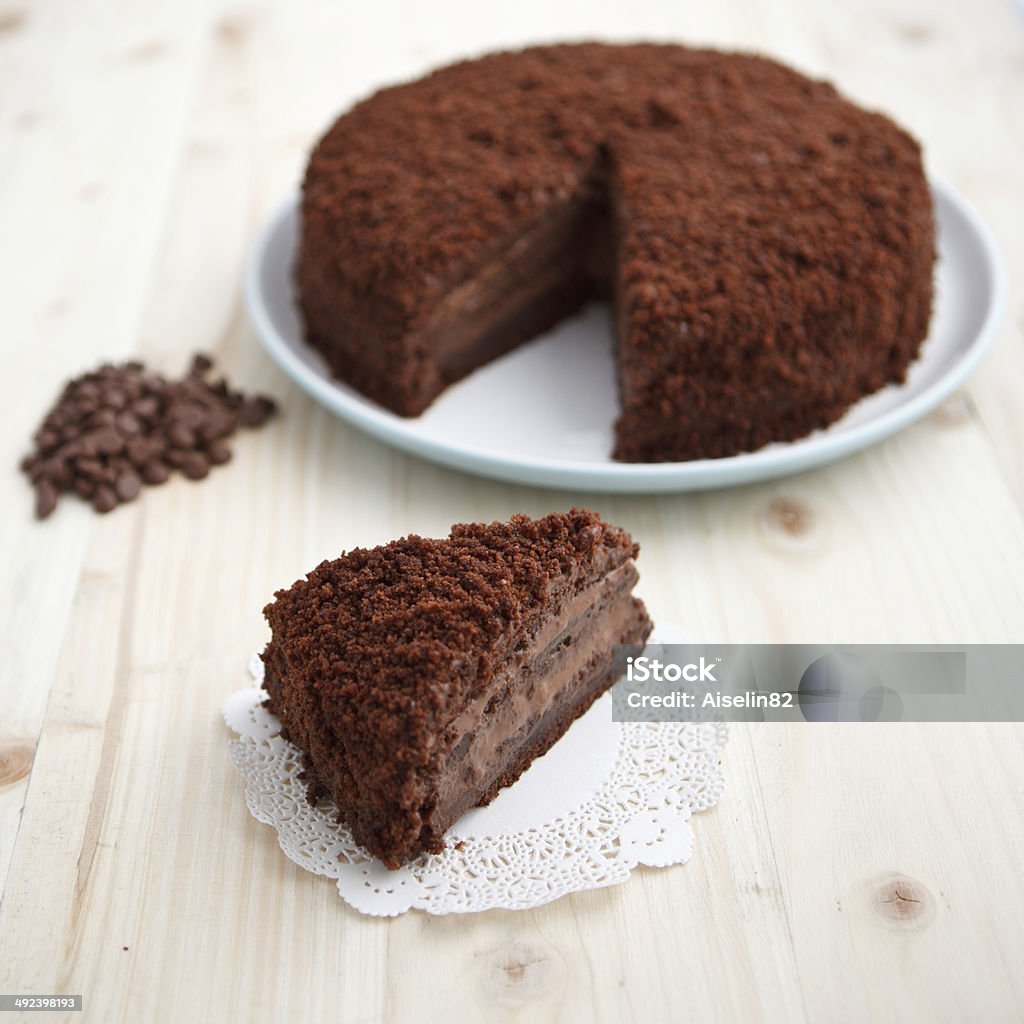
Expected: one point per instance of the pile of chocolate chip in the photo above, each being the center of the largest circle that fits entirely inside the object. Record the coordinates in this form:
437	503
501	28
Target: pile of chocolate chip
119	427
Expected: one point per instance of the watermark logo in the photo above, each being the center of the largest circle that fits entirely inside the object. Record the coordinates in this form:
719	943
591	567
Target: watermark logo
820	683
643	669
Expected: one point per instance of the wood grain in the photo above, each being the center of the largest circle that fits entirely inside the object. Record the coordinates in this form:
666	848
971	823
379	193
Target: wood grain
851	873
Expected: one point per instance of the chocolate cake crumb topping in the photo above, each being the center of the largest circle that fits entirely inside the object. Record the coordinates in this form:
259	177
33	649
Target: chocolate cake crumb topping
121	426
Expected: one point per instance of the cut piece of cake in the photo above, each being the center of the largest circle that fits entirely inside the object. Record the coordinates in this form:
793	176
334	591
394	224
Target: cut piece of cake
421	677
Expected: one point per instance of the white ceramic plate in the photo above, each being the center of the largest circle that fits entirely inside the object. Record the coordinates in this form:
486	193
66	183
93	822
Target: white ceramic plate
543	414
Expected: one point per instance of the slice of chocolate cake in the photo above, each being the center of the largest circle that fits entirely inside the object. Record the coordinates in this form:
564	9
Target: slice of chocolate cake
421	677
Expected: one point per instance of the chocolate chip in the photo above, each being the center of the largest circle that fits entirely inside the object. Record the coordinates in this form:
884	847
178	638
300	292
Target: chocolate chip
194	466
190	415
256	411
59	471
127	486
207	433
181	436
47	440
155	472
46	498
218	452
104	500
83	446
127	423
139	451
102	418
108	441
146	407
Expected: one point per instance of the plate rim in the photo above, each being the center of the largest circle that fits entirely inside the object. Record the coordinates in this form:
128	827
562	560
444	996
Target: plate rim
782	459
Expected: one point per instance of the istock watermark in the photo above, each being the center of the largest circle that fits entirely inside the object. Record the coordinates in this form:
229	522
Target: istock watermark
642	669
820	683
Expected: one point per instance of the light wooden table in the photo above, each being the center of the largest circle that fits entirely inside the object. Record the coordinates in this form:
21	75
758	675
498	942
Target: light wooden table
851	873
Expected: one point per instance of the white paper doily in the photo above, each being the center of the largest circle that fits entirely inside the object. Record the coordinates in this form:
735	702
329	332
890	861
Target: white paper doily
607	797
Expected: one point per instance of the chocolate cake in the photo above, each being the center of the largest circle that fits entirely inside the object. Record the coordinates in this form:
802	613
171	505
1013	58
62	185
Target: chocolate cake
422	676
767	245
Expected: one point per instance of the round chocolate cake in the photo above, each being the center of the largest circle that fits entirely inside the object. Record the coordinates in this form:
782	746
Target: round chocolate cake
767	246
